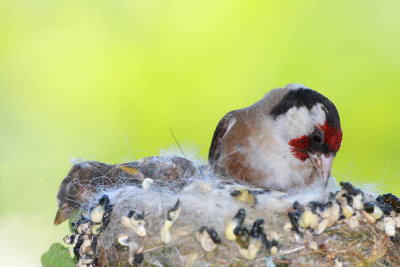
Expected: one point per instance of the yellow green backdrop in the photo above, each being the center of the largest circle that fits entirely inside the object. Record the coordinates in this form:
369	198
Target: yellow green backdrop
104	80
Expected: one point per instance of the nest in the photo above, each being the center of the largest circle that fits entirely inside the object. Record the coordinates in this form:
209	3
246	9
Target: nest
212	221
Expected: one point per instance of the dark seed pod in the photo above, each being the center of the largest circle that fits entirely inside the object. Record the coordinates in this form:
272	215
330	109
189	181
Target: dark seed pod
106	217
139	216
122	243
380	199
136	215
214	235
274	243
265	241
385	207
351	190
297	206
235	193
104	200
294	220
259	192
257	228
240	216
328	204
369	207
120	247
238	230
349	200
138	258
172	214
390	199
314	205
78	246
131	213
108	208
208	238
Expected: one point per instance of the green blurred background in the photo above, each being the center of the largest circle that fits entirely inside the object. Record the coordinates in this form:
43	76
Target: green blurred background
104	80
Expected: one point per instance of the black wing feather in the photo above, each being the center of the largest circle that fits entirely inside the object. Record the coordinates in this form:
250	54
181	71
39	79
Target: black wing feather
219	134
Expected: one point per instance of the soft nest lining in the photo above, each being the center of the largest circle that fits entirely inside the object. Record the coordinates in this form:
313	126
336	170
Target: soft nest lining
152	224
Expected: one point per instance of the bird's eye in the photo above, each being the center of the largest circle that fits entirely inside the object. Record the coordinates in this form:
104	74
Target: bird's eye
317	137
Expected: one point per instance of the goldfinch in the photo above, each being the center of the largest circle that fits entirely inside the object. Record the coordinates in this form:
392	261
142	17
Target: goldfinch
285	141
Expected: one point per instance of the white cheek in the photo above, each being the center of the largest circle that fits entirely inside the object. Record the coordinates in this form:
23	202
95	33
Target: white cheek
297	122
293	123
317	115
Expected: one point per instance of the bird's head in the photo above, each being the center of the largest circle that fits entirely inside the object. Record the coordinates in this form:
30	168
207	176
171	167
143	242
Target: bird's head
79	186
309	124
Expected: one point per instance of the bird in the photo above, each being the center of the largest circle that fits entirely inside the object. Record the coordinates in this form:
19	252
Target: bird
81	183
287	141
85	179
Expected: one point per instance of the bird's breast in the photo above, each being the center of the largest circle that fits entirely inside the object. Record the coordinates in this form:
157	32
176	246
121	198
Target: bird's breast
263	160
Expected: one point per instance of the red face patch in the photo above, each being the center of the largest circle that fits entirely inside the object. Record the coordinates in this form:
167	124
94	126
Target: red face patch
332	136
299	146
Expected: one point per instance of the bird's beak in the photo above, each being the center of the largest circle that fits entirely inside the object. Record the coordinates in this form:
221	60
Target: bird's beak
62	214
323	165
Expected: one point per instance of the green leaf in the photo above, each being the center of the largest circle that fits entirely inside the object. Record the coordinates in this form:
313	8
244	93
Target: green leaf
73	218
57	256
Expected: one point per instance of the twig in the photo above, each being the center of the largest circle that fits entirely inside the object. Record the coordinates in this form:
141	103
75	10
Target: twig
290	251
151	249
